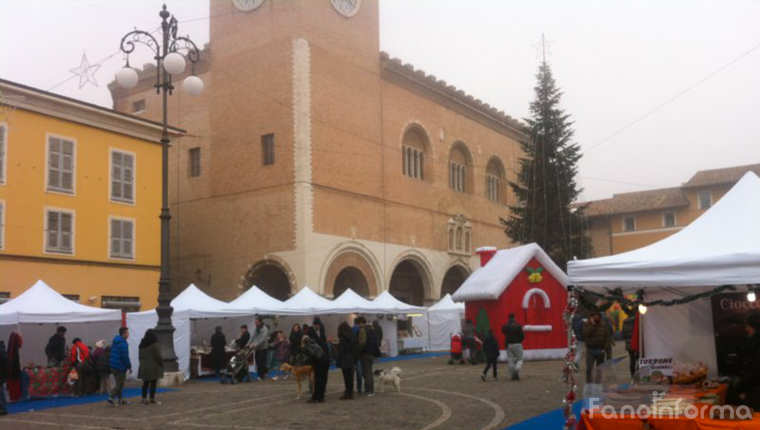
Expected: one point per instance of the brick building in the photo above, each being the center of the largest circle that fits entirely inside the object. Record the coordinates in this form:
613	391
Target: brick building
633	220
314	159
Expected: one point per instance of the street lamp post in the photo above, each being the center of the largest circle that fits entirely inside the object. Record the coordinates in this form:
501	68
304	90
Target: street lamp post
169	61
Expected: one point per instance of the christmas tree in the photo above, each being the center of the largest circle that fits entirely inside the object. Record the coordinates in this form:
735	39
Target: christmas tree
546	187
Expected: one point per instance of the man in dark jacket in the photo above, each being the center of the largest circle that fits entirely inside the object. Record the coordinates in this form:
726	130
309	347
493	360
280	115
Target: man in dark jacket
747	390
3	371
260	342
56	347
597	335
367	344
120	365
468	340
513	338
633	356
320	361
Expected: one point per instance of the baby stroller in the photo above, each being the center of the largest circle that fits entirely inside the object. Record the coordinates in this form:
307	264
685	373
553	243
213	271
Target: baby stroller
237	369
456	349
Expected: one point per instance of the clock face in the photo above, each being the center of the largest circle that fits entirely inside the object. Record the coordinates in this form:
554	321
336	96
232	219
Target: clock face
247	5
346	7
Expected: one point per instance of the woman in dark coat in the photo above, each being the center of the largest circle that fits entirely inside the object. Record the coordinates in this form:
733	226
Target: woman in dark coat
347	355
151	365
217	357
491	349
295	343
748	388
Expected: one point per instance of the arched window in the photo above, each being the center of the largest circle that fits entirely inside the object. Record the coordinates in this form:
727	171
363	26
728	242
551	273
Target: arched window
459	168
495	184
413	154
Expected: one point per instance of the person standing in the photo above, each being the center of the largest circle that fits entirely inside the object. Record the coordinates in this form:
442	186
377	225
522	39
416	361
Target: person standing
3	371
281	348
56	347
347	354
244	338
320	361
318	333
100	358
597	335
468	340
357	362
260	342
633	356
13	380
491	349
378	333
151	366
577	326
217	357
295	344
80	353
368	349
120	365
747	389
513	338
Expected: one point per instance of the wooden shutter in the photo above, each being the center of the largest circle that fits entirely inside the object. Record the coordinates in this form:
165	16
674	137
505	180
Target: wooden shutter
54	163
115	238
52	230
128	177
67	165
66	232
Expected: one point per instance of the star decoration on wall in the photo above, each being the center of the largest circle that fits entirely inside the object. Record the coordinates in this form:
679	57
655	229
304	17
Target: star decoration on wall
86	72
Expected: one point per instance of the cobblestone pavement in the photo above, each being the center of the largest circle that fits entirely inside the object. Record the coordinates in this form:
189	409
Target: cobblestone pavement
434	395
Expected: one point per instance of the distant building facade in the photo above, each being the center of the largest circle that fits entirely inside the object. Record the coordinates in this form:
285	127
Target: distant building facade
633	220
80	195
314	159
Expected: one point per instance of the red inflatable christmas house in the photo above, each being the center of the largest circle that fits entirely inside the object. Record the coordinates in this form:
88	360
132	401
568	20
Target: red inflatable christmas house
523	281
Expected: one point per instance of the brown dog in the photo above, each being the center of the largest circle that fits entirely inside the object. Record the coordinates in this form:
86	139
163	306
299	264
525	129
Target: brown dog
300	373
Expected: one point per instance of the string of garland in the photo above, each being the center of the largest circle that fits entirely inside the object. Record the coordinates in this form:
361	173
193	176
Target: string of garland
570	367
617	295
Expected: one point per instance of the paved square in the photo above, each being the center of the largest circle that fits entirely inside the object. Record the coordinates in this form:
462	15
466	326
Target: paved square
434	395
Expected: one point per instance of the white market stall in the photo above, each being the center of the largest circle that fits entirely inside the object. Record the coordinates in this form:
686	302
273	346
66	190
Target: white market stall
39	310
722	247
388	305
195	316
443	320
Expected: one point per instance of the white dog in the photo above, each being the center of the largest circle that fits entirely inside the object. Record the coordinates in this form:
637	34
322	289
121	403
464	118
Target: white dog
393	377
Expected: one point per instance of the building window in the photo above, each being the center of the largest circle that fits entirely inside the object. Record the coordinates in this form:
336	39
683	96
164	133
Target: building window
195	162
73	297
457	174
122	176
2	224
413	162
126	304
61	165
3	150
669	219
629	223
494	180
4	297
705	199
413	150
138	106
267	149
122	238
59	233
460	232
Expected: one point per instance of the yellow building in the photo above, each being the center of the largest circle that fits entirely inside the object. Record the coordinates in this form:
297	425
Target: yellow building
633	220
80	195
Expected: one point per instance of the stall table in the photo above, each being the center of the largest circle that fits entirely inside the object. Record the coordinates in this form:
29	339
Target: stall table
49	381
204	363
702	422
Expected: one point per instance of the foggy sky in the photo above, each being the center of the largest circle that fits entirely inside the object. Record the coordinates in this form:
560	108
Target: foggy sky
615	62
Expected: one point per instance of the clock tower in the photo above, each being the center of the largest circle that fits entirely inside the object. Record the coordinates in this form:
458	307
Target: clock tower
307	72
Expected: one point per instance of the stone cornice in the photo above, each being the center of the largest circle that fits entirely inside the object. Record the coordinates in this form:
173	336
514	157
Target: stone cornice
429	85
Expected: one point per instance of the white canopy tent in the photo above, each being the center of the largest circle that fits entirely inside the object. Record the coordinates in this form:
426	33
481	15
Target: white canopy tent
36	313
722	247
350	302
256	301
443	320
195	316
385	303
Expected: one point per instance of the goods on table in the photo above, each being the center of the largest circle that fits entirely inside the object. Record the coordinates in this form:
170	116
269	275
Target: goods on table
689	373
